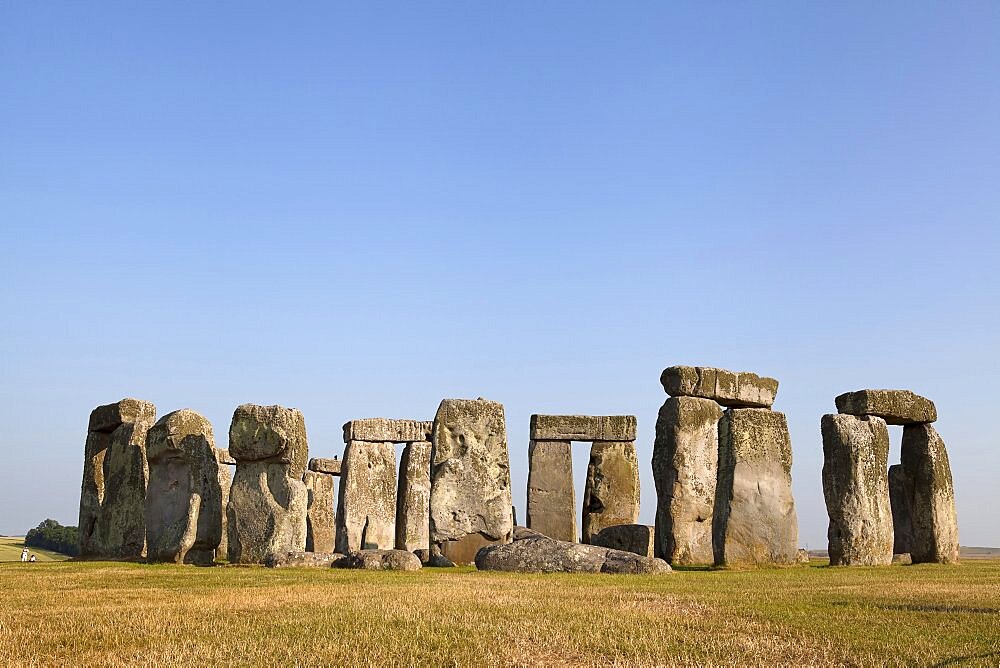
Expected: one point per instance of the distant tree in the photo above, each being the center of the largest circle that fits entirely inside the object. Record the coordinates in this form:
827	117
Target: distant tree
50	535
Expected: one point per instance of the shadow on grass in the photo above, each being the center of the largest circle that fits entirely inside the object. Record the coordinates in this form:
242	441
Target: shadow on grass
918	607
955	660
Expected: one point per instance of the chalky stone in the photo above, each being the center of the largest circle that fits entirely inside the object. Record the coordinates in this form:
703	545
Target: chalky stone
934	521
366	507
270	433
320	521
384	430
894	406
325	465
413	497
582	427
734	389
611	495
856	489
223	457
551	496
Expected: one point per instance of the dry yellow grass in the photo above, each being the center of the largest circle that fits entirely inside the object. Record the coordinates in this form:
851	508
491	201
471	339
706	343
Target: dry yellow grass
117	614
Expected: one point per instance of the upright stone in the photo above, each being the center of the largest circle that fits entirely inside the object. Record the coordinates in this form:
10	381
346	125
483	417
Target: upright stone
268	501
320	523
470	479
935	524
366	506
611	496
113	494
224	460
551	497
901	498
754	519
184	497
856	489
414	497
685	466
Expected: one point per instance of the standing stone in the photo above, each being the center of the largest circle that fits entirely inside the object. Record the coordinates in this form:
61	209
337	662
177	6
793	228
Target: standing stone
320	526
754	519
934	521
611	496
366	506
685	465
551	497
414	498
900	498
856	489
470	479
267	501
113	494
224	460
184	498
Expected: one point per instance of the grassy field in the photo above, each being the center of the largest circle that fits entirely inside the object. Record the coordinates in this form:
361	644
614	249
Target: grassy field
113	614
10	550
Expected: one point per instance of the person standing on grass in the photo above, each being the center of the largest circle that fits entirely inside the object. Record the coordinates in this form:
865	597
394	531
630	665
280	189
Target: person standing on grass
24	554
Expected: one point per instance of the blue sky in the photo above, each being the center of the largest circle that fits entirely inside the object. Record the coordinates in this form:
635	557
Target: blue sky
361	209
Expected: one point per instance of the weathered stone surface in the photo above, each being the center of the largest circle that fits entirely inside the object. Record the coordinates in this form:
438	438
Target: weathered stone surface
932	508
113	494
268	501
381	430
532	552
366	505
893	406
380	560
734	389
611	495
636	538
225	482
183	510
223	457
327	465
582	427
320	521
902	559
685	466
270	433
413	498
856	489
303	560
470	478
754	519
900	499
802	556
551	496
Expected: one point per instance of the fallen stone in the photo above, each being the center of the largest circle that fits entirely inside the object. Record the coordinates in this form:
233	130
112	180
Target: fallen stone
379	560
381	430
903	559
551	495
733	389
303	560
856	489
934	521
270	433
320	521
532	552
413	498
754	518
893	406
635	538
183	510
611	495
900	499
330	466
685	467
113	493
366	505
470	479
582	427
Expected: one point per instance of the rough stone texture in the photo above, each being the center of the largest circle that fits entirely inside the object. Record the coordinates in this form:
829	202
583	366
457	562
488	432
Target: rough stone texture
381	430
934	521
113	494
582	427
327	465
551	496
734	389
532	552
380	560
900	499
268	501
903	559
685	466
802	556
856	489
366	505
470	479
893	406
320	522
223	457
225	482
611	496
636	538
184	508
303	560
413	498
754	519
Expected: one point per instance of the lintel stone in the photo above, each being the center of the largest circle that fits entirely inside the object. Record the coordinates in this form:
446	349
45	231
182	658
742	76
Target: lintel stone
733	389
583	427
893	406
384	430
326	465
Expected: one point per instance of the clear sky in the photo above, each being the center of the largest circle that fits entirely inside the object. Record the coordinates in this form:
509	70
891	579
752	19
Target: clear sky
359	209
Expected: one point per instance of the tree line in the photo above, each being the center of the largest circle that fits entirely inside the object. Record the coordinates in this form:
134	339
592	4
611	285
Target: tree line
50	535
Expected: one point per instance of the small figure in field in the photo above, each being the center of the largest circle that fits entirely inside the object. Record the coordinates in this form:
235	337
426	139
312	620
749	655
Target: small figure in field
24	554
32	559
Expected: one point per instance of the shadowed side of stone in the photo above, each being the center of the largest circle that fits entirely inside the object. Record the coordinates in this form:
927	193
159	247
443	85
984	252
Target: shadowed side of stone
551	495
932	506
531	552
320	521
611	494
413	497
900	499
379	560
635	538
